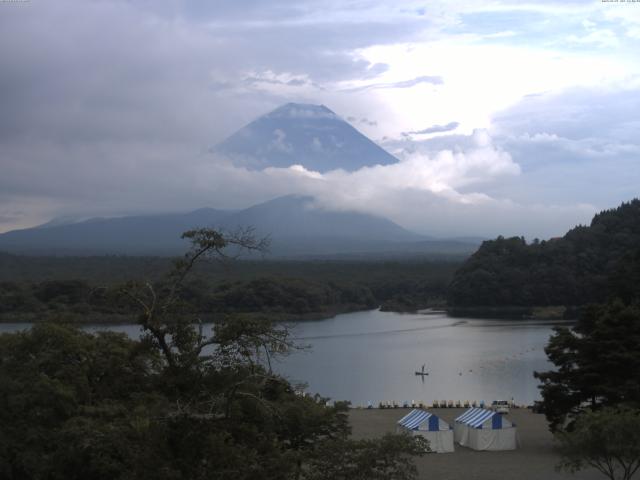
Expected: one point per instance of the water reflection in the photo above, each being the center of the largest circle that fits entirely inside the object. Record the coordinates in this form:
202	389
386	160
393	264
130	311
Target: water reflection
373	356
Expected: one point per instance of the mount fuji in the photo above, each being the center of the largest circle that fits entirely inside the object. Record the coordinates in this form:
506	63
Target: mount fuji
294	134
302	134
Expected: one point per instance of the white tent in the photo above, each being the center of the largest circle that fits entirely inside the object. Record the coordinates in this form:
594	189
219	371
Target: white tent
482	429
429	426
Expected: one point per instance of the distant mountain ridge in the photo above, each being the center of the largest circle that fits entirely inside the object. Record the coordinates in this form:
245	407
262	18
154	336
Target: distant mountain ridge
135	235
296	226
302	134
298	216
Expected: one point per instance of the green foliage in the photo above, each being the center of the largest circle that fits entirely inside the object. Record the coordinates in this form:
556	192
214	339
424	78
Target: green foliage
597	363
366	459
178	404
625	280
576	269
287	296
55	380
297	289
608	440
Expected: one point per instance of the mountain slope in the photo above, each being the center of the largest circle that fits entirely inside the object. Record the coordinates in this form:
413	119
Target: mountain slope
577	269
297	216
296	228
292	222
136	235
303	134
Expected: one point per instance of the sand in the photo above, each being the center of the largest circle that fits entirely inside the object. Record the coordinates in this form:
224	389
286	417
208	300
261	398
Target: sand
534	459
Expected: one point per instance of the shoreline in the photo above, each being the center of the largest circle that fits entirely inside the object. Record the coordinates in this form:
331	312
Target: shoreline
511	312
130	319
486	313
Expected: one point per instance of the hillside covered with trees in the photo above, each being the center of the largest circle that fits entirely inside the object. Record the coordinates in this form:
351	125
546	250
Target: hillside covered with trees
591	396
89	289
580	268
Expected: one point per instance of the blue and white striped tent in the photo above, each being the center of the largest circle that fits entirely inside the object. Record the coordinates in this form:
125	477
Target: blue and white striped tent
483	429
429	426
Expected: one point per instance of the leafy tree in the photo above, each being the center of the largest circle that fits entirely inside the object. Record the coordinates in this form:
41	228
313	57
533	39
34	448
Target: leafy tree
624	282
597	363
607	440
181	403
56	381
366	459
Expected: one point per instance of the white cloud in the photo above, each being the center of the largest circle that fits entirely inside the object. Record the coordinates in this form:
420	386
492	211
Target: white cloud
601	38
438	194
480	79
114	129
587	147
279	143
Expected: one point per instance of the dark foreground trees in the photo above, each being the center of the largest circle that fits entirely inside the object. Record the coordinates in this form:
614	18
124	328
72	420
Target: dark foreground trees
181	403
607	440
597	364
592	398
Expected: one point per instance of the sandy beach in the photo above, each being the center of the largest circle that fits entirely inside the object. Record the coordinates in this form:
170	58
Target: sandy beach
535	458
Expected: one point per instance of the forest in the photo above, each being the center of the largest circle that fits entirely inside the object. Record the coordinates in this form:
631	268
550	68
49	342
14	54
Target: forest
90	289
176	404
585	266
505	277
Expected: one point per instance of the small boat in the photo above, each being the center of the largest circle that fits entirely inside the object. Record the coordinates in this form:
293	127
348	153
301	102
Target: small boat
422	372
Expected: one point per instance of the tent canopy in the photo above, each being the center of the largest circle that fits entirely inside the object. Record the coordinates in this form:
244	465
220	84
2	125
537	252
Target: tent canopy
479	418
423	420
427	425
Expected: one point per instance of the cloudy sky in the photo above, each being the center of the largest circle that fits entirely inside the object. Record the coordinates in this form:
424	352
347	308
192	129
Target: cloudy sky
508	117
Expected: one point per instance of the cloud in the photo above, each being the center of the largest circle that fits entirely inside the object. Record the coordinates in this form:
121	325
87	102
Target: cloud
271	78
577	113
112	111
440	194
9	218
432	80
159	183
434	129
569	142
279	144
600	38
362	121
316	144
578	146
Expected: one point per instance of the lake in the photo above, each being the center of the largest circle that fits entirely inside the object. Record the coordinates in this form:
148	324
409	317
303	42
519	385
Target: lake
372	356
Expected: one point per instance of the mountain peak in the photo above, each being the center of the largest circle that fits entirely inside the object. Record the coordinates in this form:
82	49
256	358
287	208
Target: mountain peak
302	111
302	134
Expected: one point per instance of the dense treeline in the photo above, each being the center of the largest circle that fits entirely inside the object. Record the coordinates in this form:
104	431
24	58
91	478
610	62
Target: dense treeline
110	269
298	289
580	268
591	397
78	299
177	404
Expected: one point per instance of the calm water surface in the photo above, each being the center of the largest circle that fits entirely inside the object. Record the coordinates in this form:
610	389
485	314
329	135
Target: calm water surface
372	356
